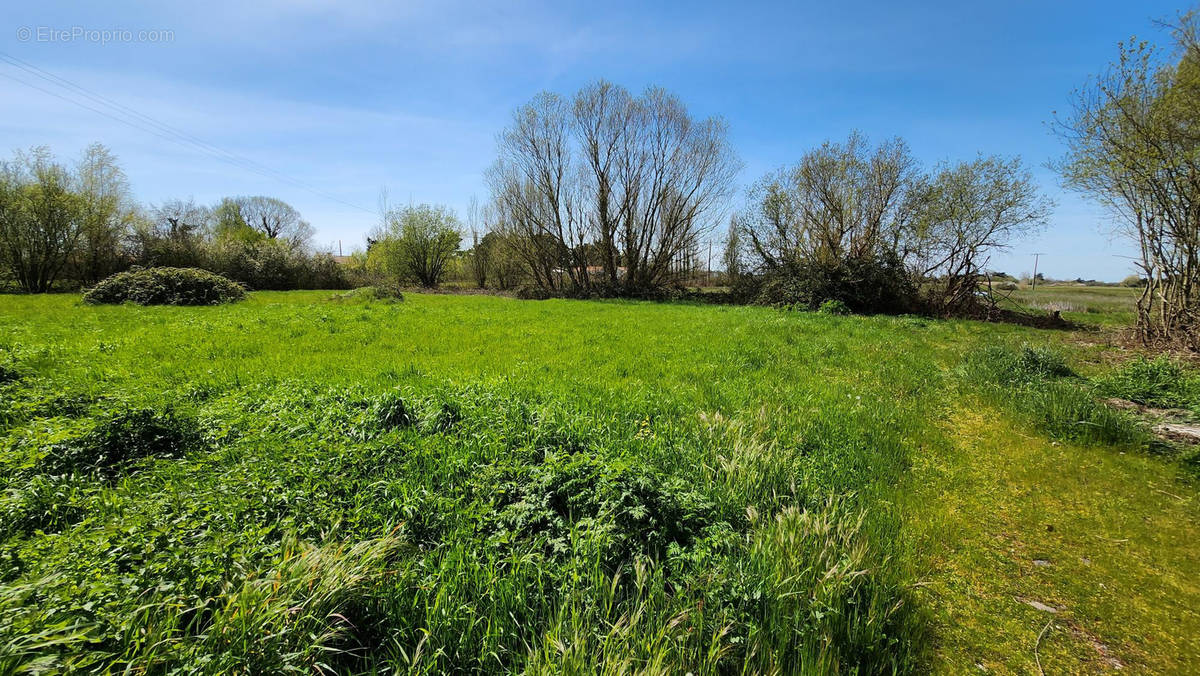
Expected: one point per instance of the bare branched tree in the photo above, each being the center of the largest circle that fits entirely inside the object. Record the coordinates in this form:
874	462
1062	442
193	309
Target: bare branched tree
1133	144
841	201
479	258
173	234
867	226
275	219
958	217
620	183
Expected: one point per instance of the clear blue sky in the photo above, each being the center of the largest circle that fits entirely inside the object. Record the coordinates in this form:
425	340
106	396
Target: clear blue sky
351	96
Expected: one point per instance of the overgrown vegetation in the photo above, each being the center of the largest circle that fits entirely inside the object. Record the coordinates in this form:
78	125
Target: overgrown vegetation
234	494
67	226
865	226
165	286
1037	382
368	294
512	522
1161	382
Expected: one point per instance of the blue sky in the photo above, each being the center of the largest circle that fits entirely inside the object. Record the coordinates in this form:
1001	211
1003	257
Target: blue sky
350	97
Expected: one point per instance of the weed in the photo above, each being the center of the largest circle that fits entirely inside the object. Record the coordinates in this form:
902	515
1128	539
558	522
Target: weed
368	294
1160	382
119	441
1039	383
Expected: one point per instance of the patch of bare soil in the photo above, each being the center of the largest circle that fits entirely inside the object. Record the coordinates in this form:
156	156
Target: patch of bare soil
1169	424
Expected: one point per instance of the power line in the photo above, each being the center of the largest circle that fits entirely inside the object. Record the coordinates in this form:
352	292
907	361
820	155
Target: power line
129	116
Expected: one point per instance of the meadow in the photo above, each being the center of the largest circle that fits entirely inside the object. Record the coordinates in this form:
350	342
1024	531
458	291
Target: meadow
481	484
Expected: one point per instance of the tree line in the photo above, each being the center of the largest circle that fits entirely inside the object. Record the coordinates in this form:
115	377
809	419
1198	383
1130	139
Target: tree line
72	225
609	193
605	192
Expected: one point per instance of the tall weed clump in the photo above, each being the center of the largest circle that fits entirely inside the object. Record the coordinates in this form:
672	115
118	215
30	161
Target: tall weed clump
120	440
1037	382
1161	382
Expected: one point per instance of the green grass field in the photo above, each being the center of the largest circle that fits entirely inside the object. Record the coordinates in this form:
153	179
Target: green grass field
473	483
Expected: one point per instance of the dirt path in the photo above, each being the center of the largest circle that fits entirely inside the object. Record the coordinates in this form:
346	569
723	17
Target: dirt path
1095	551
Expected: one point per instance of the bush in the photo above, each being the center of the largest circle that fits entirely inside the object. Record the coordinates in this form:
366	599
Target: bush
879	285
1133	282
367	294
530	292
833	307
275	265
1007	286
165	286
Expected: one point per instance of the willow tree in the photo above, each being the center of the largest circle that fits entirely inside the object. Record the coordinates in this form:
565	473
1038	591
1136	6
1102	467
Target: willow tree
1133	144
415	243
609	188
866	225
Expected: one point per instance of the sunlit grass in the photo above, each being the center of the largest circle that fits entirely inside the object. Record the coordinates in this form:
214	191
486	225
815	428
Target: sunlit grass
475	483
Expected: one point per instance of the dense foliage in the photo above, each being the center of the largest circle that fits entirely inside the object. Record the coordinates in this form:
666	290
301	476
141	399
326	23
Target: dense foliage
415	244
863	225
165	286
70	226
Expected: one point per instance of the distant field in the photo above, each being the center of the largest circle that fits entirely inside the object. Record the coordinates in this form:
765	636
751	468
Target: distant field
474	483
1106	305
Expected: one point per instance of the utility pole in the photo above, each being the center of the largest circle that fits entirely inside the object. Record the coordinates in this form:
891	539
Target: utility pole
1036	256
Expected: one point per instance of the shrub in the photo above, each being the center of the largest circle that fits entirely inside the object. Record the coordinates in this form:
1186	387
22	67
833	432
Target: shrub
275	265
367	294
1006	286
531	292
1133	282
833	307
871	285
165	286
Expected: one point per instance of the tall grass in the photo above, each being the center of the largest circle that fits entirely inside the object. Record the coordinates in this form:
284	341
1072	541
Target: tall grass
1038	383
458	484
